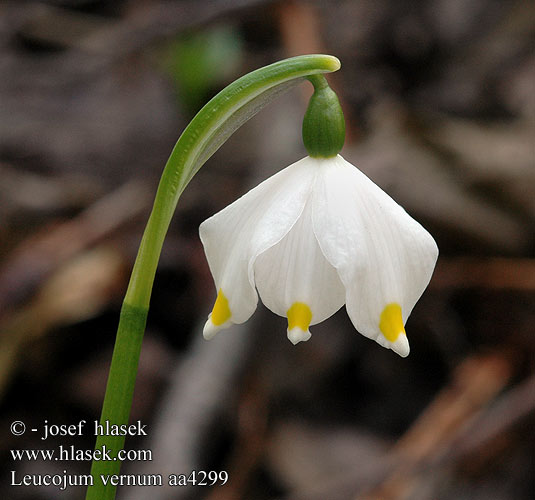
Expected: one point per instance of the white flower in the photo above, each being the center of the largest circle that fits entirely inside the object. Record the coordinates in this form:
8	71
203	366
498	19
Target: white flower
315	236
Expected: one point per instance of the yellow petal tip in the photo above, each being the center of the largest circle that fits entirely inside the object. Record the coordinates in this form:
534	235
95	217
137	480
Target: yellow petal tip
299	315
391	322
219	318
221	312
299	318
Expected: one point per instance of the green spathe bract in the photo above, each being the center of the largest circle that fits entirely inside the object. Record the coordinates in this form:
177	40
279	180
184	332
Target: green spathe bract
210	128
324	127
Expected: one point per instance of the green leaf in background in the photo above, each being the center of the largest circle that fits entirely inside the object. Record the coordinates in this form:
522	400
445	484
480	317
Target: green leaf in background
202	61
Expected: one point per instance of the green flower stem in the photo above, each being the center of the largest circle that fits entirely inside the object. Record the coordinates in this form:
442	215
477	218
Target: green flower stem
210	128
118	398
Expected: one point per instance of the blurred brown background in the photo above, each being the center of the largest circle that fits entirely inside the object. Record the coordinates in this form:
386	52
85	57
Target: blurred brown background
439	98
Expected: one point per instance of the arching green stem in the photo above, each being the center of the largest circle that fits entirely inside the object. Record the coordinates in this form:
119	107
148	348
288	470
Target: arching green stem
210	128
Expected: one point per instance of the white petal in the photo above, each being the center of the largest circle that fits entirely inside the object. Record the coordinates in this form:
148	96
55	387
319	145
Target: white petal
383	256
233	237
296	335
210	329
295	271
401	346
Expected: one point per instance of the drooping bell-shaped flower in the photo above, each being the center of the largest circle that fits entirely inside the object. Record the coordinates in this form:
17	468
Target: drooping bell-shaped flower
317	235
